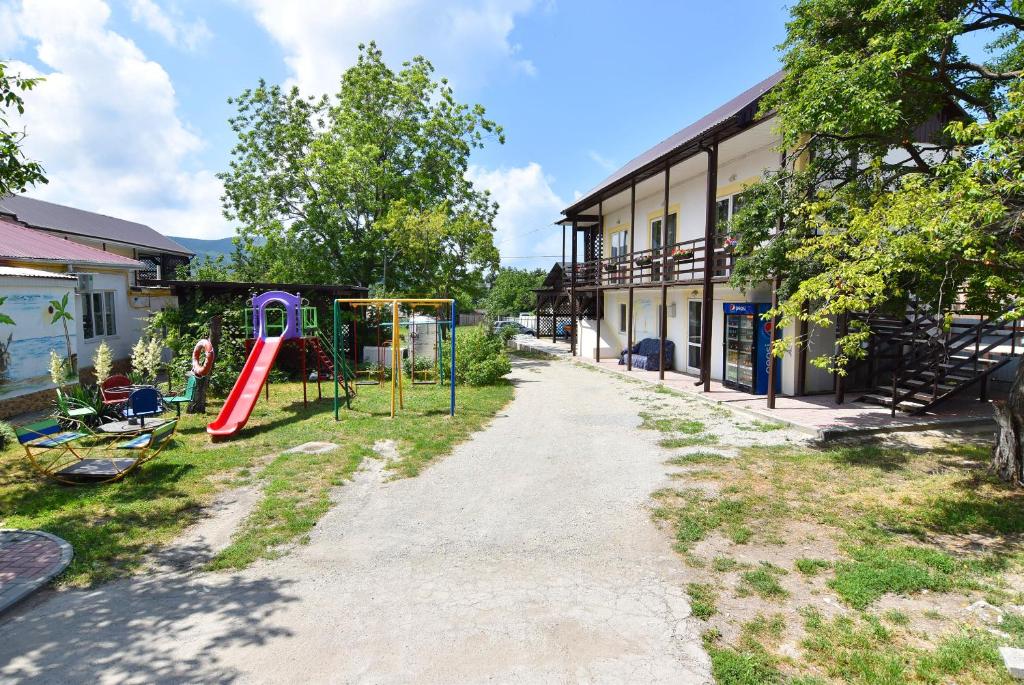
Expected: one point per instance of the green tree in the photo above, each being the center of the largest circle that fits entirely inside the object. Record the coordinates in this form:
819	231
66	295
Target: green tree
512	291
905	160
17	172
367	187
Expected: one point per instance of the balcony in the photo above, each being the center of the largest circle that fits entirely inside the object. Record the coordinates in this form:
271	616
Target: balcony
682	262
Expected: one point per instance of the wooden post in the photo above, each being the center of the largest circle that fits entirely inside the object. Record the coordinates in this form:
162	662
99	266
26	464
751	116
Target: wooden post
599	294
198	404
632	231
302	346
773	361
663	319
707	301
572	294
629	332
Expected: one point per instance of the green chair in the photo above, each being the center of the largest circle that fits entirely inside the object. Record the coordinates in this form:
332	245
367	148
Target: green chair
76	412
185	397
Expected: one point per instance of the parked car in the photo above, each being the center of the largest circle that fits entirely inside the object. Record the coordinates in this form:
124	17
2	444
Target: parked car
519	328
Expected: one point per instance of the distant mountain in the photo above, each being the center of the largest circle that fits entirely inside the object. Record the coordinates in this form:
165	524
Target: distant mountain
211	248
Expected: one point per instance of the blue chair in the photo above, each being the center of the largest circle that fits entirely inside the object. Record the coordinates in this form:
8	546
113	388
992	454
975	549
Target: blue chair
144	402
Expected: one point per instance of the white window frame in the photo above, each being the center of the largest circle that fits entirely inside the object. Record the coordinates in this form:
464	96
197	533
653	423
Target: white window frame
689	327
657	220
619	251
106	318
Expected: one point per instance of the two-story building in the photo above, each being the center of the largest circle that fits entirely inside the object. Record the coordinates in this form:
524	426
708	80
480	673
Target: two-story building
650	260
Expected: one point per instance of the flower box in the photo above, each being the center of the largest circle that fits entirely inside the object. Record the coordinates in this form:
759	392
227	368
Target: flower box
682	254
643	261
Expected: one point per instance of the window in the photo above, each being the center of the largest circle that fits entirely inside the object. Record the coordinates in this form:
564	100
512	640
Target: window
693	334
656	231
98	315
727	208
619	242
623	318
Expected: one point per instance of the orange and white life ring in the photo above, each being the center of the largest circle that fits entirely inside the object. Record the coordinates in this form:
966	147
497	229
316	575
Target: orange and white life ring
203	350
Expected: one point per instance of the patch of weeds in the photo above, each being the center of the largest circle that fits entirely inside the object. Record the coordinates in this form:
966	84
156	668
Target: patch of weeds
875	570
733	667
761	426
689	441
696	458
669	424
933	615
702	600
693	515
726	564
526	353
896	617
968	652
764	581
811	567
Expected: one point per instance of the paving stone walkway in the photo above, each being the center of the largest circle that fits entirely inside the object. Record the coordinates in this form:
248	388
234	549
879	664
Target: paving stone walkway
28	560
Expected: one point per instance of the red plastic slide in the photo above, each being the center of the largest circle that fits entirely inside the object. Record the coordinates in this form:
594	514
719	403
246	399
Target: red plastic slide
243	396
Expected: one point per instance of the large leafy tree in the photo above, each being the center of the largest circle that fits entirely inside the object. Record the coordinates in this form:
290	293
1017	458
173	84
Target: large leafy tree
17	172
905	173
511	291
366	187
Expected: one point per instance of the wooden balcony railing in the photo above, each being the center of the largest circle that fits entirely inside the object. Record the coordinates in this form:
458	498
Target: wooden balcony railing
682	262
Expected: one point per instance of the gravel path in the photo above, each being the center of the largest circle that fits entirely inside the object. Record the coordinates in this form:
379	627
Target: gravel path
528	555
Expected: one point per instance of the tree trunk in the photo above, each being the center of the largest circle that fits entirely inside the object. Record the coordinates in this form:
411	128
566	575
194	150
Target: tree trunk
198	404
1008	452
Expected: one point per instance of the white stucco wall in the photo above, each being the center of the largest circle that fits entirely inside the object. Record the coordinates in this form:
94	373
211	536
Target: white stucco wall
131	313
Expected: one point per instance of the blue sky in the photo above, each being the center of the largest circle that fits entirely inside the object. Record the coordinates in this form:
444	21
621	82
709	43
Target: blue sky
132	118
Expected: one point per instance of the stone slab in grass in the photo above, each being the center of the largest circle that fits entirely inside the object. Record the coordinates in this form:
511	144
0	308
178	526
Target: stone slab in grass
312	448
1014	660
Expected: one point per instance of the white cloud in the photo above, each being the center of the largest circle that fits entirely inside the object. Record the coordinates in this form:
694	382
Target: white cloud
466	40
603	162
105	126
527	208
170	24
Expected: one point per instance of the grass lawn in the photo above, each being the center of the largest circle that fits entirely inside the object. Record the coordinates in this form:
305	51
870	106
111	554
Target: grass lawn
852	564
112	527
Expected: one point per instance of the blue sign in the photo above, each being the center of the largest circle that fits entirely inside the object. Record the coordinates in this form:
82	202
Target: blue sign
739	308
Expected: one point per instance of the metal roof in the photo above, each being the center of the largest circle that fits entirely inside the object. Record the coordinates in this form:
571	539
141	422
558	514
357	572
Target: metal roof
19	272
18	242
54	217
689	135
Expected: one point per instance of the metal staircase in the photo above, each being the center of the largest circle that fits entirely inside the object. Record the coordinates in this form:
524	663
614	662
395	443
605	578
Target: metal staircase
917	361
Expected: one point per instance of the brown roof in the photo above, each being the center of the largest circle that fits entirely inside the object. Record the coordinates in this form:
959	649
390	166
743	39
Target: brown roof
681	139
26	244
53	217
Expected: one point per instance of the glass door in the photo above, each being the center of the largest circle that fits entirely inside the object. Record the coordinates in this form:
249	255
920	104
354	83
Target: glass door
693	334
739	351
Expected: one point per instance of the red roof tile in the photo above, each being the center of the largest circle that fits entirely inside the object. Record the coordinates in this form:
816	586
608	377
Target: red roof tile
18	242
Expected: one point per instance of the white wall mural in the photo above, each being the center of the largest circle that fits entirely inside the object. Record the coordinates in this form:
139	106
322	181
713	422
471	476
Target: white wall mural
25	346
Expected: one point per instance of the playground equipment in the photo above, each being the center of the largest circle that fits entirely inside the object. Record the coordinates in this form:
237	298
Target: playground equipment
242	398
380	307
287	321
63	455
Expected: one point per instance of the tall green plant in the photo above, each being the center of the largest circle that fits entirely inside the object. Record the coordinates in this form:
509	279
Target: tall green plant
61	313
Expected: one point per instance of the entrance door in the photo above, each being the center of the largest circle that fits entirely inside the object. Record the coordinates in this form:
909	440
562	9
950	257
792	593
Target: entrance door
739	349
693	343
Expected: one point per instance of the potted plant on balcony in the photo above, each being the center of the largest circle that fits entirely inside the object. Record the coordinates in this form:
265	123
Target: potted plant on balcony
643	260
682	254
729	243
612	267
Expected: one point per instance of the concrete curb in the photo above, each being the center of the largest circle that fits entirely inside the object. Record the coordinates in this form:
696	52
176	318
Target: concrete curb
20	589
826	434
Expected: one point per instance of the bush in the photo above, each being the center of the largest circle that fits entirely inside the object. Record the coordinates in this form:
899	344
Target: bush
480	357
7	435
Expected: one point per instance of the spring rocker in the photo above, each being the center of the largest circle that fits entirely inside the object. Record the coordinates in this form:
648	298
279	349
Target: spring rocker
376	309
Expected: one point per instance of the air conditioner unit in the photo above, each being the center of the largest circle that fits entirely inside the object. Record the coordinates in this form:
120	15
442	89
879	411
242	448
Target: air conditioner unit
84	282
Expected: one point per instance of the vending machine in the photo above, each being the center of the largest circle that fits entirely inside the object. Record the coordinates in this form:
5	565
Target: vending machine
748	339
